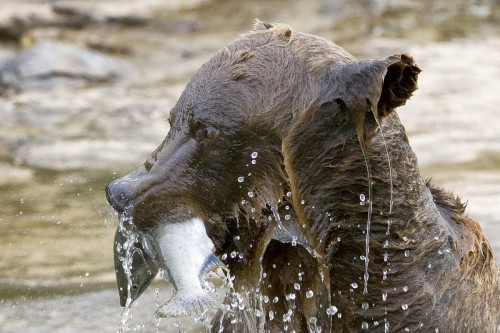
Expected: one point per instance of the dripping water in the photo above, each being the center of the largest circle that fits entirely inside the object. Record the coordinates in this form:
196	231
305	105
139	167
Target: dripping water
391	202
277	218
391	188
368	222
370	201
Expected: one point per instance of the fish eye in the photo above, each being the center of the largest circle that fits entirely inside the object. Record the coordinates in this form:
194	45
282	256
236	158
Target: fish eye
211	133
135	286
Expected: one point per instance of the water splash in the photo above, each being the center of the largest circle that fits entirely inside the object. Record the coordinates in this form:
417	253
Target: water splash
128	230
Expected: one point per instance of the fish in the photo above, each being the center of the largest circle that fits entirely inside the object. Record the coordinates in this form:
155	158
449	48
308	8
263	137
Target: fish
187	256
136	269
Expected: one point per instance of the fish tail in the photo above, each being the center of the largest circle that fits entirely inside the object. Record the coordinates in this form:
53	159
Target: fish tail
186	305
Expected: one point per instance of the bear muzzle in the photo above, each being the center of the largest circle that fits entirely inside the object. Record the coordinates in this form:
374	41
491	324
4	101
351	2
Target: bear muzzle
118	195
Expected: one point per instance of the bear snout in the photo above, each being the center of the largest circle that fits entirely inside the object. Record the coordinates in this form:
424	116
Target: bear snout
118	195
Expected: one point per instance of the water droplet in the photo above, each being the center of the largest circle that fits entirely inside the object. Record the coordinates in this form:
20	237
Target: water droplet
275	300
236	238
287	217
296	286
386	256
302	202
241	179
224	256
354	285
271	315
331	310
404	307
364	325
405	289
250	194
289	194
440	252
386	243
257	313
234	303
436	237
407	329
290	296
233	254
87	273
362	257
309	294
265	299
254	154
407	253
362	197
254	161
365	306
294	239
287	316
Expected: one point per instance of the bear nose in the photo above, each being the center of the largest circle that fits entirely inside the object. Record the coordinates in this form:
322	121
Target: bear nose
117	195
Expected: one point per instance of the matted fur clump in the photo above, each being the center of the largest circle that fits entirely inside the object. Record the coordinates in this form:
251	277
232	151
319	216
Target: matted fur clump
291	152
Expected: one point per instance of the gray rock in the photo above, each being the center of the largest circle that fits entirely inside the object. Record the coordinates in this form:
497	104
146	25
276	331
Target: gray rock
48	63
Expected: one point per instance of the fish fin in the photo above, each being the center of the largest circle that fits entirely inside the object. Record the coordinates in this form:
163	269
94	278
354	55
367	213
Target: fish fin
210	263
186	305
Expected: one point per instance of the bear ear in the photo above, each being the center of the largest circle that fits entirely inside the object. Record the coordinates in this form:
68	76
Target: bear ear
399	83
376	87
382	84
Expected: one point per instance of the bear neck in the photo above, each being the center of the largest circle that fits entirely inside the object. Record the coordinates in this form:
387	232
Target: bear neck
335	200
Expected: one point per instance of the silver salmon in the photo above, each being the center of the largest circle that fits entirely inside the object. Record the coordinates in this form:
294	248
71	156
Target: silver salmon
188	255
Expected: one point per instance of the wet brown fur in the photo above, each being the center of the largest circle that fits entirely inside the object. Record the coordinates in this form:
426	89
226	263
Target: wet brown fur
311	111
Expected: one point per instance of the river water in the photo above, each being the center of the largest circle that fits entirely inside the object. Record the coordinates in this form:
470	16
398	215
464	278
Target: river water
60	146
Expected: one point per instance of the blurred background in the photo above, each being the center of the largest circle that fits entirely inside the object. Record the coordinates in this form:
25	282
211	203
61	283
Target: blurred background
86	87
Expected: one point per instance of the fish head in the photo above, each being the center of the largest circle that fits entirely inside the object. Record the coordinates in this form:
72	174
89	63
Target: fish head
136	266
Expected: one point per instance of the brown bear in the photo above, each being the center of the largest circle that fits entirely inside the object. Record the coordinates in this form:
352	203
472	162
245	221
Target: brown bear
292	154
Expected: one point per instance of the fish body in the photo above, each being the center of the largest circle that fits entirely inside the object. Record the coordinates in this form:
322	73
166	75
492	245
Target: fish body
187	256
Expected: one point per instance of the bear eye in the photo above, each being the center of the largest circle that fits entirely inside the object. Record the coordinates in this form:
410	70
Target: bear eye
211	132
194	126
